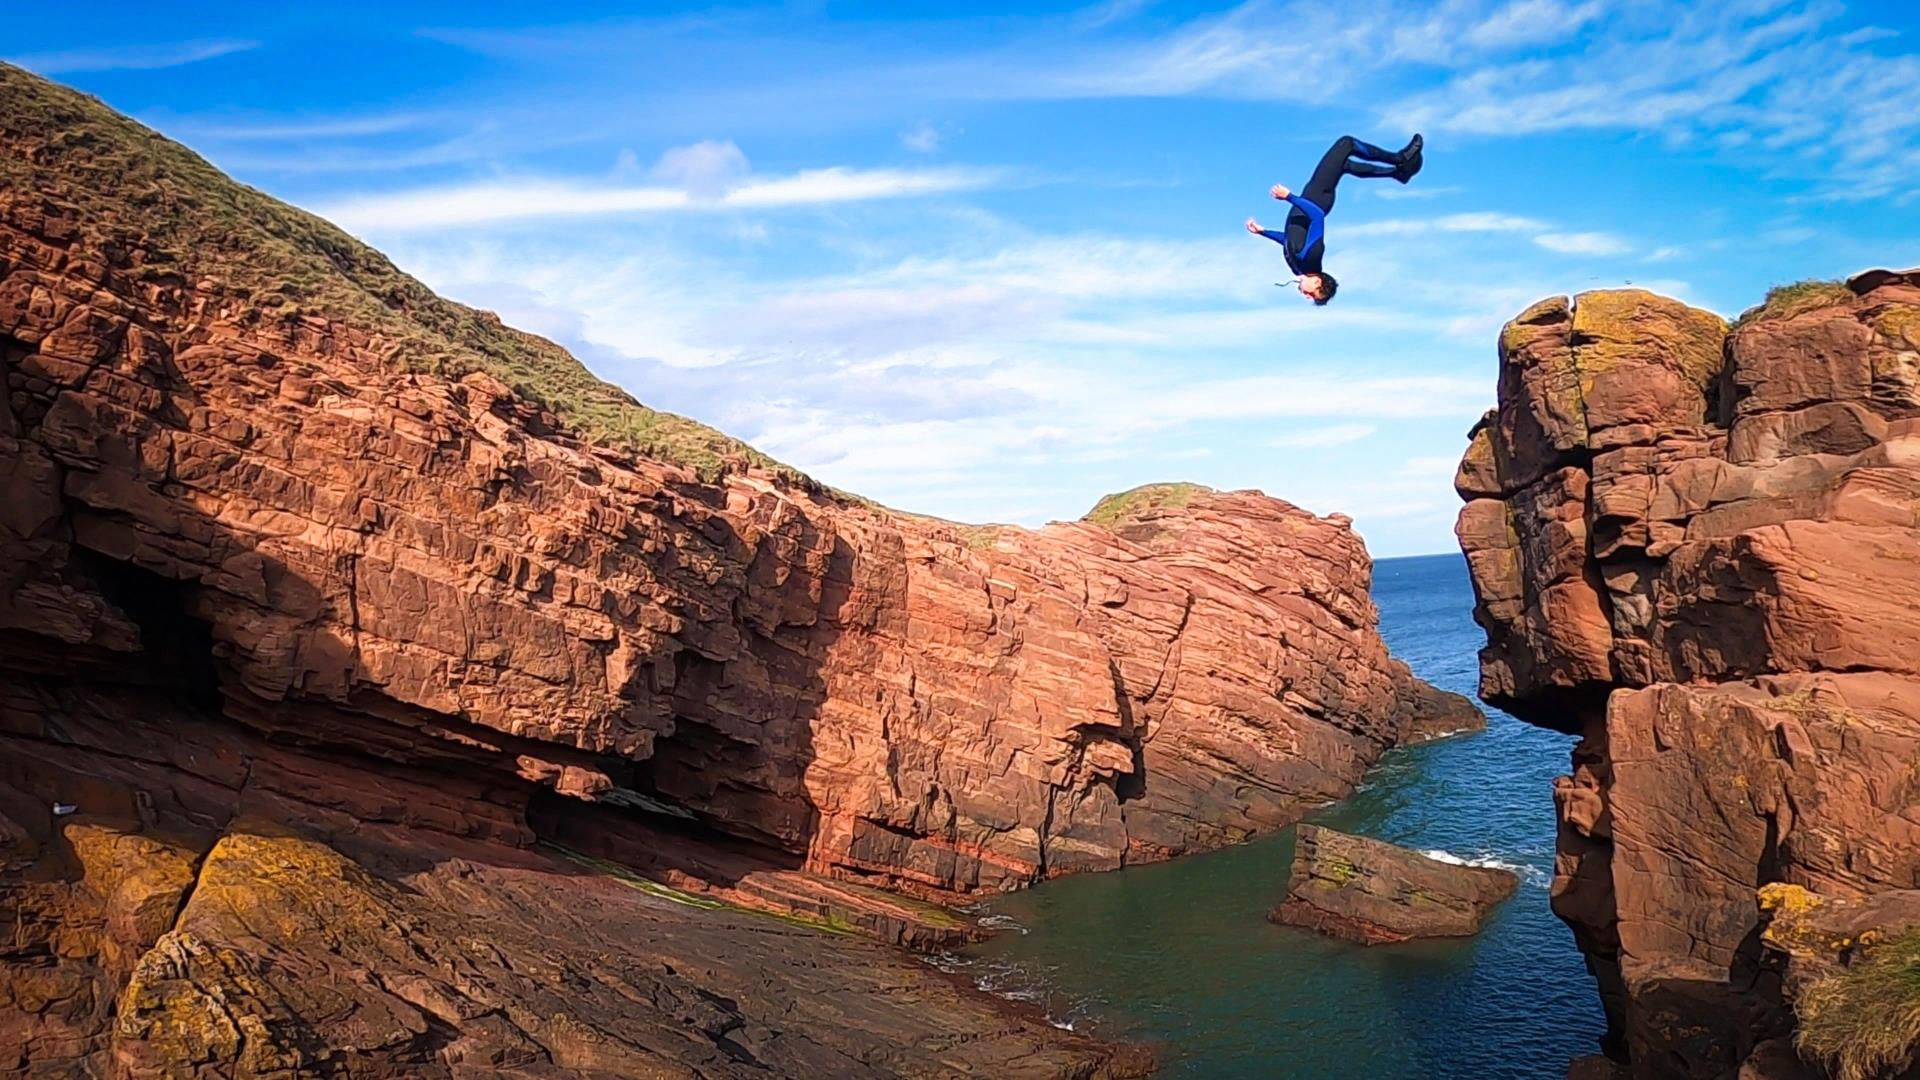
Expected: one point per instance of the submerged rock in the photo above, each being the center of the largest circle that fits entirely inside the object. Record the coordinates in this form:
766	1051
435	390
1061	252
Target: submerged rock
1373	892
1596	1067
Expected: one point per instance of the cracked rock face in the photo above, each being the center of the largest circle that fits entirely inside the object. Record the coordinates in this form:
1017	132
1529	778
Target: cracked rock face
1699	550
346	642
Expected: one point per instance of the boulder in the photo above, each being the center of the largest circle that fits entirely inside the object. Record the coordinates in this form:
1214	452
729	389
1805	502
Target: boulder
1372	892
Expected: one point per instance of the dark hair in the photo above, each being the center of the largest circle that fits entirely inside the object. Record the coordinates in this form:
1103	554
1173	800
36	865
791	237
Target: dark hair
1328	286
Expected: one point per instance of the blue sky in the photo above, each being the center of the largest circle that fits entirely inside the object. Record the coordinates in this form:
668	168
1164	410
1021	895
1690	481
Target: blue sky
986	261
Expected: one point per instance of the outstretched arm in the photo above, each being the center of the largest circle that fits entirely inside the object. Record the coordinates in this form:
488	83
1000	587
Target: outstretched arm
1279	237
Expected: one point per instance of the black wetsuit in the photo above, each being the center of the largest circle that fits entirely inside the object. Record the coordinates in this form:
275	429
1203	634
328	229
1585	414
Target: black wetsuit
1304	241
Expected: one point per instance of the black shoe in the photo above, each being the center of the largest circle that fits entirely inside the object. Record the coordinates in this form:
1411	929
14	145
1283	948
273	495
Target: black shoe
1410	160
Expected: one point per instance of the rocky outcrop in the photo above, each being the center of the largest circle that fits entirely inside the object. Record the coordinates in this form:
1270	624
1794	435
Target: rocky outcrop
1434	713
1698	548
1372	892
311	579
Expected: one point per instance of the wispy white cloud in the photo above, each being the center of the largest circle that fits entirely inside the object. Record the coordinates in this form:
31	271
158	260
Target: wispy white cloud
1534	22
838	184
1474	222
921	139
129	57
1539	232
294	129
495	202
1420	192
1330	435
1583	243
1789	83
704	170
1238	54
1109	11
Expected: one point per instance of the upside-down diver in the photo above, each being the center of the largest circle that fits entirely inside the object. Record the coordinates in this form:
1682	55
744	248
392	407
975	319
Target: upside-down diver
1304	239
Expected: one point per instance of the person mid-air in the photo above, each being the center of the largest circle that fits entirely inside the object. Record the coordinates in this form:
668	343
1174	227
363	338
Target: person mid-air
1304	241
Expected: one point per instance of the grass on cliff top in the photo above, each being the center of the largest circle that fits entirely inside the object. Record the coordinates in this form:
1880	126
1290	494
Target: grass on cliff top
1786	301
135	189
1128	505
1864	1022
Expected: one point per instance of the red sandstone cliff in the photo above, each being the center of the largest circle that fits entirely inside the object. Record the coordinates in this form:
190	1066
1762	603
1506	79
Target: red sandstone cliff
379	646
1699	550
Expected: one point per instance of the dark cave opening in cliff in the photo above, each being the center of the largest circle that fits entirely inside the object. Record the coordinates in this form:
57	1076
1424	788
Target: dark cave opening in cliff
176	645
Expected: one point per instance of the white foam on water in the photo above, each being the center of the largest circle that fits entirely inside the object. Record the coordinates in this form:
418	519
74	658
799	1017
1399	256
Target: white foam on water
1532	875
1013	982
998	921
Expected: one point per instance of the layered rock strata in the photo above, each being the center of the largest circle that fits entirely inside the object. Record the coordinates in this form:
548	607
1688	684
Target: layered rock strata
1698	548
378	645
1373	893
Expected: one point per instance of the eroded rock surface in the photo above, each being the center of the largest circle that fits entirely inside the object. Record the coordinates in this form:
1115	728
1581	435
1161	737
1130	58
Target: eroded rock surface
295	587
1699	550
1372	892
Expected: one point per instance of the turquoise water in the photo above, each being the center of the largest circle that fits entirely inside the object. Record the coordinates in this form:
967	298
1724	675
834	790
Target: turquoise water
1180	955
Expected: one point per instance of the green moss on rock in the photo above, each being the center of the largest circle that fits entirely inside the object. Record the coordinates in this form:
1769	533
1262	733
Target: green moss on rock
1116	510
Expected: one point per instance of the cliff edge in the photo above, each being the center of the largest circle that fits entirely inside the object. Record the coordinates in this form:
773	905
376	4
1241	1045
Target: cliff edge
1697	547
381	692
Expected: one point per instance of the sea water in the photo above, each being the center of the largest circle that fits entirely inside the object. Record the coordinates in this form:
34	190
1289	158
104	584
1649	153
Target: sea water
1180	955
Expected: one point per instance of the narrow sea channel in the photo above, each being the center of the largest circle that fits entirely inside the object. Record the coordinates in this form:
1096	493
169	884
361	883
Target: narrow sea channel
1181	956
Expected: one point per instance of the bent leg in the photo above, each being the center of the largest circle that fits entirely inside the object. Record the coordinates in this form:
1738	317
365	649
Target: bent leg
1327	174
1366	151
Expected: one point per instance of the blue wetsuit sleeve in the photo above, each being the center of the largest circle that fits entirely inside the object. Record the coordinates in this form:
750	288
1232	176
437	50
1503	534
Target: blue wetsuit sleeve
1316	222
1279	237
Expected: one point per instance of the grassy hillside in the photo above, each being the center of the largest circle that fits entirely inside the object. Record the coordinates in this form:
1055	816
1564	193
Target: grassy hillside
136	188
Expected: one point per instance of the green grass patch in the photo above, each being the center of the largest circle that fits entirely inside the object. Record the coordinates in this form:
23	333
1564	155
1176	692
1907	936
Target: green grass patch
1786	301
627	877
1864	1022
171	213
1116	510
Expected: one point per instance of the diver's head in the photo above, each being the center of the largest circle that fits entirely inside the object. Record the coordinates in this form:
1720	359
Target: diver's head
1318	288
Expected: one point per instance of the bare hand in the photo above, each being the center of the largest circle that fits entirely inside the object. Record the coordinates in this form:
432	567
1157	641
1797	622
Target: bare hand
1280	191
1254	227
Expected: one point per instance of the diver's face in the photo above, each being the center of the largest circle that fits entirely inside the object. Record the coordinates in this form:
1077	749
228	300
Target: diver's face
1310	286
